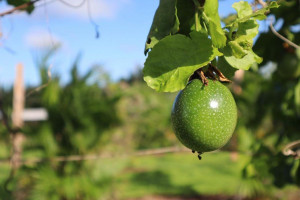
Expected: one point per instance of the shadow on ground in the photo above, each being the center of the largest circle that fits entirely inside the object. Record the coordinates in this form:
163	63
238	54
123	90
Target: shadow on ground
161	183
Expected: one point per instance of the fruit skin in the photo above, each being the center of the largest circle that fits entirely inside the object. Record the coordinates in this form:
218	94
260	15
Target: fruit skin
204	117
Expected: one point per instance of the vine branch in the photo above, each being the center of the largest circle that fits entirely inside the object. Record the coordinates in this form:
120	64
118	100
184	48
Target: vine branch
292	149
42	86
264	4
73	5
17	8
282	37
72	158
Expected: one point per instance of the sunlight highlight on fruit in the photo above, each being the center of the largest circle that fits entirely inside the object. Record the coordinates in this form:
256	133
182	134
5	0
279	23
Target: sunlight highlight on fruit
214	104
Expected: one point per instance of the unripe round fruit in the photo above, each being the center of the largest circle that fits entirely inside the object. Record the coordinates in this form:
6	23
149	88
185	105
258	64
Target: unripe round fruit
204	117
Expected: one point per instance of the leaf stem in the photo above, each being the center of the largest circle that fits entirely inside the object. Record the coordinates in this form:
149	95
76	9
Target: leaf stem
205	18
197	4
205	21
231	30
197	21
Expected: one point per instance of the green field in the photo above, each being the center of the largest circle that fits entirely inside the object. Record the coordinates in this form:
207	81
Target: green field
180	174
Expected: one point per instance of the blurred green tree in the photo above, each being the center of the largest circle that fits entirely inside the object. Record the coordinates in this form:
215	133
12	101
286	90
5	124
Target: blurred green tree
269	103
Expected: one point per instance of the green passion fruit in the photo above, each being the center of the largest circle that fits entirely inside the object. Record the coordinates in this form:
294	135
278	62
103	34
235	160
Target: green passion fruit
204	117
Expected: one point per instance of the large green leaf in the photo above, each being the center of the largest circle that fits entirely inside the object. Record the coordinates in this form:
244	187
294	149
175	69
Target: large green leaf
214	23
165	22
174	59
185	16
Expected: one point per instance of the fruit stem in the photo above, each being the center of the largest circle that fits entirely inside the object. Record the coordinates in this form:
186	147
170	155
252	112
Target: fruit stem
202	77
211	74
199	155
221	76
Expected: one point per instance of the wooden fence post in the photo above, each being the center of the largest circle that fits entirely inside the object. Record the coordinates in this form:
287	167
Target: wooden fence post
17	121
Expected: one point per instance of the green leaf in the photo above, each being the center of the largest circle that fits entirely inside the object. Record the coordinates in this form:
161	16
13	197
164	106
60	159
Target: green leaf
185	16
225	68
229	19
245	12
260	14
245	27
242	8
175	58
243	39
214	23
241	63
16	3
237	50
247	31
165	23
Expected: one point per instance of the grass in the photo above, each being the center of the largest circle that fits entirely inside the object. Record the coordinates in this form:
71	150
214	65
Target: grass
177	174
180	174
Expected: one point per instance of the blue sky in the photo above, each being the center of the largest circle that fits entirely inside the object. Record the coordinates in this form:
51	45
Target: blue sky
123	25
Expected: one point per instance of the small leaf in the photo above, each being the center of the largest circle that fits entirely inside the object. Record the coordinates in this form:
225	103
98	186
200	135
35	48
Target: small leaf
261	13
241	63
214	23
175	58
16	3
165	22
242	8
236	50
229	19
245	12
247	31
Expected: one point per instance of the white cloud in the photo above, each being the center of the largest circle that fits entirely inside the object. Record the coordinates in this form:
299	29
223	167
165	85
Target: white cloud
41	39
99	9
